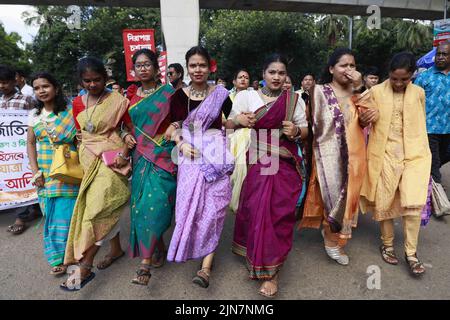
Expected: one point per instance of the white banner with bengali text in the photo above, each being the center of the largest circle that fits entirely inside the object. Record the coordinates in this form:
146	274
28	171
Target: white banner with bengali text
16	189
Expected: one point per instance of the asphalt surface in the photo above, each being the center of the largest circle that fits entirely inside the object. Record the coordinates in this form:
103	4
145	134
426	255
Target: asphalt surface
307	274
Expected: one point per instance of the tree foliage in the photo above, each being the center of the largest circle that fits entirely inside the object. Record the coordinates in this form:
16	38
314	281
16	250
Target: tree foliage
10	52
234	38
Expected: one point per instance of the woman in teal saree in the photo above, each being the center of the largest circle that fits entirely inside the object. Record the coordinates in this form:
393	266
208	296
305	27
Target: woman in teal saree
153	185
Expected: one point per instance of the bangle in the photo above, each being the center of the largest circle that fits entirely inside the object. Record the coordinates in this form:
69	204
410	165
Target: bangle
120	154
175	124
123	134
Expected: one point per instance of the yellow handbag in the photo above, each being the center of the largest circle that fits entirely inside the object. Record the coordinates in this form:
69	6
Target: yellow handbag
66	166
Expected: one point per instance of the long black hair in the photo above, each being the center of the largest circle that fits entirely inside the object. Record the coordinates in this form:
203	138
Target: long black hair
337	54
60	100
93	64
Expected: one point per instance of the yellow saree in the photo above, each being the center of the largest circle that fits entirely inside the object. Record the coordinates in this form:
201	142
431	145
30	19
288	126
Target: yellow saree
103	192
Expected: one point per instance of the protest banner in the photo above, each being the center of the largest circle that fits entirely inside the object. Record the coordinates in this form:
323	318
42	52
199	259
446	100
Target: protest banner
16	189
134	40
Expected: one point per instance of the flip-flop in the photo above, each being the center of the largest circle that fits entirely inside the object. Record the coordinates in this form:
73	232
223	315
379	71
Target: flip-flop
85	281
108	261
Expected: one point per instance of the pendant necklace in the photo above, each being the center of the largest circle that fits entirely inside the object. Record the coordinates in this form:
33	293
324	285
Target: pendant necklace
197	94
89	124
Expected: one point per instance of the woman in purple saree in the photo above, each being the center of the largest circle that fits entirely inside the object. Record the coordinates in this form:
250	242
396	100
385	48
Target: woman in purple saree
266	215
204	166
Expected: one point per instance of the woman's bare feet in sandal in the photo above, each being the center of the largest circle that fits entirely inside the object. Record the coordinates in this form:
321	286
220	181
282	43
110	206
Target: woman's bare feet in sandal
269	288
58	270
415	266
143	275
388	254
79	278
202	277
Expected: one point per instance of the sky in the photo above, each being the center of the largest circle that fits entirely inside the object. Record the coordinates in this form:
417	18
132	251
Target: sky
11	18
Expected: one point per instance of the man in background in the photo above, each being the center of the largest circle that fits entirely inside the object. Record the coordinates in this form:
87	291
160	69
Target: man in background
21	82
436	83
371	78
176	75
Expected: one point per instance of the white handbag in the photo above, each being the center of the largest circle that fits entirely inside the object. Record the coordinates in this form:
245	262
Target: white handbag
439	200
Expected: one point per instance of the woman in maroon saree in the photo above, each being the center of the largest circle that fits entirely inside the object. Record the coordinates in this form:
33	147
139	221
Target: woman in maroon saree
266	215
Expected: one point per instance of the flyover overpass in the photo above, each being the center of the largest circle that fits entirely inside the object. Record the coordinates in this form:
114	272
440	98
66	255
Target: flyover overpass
412	9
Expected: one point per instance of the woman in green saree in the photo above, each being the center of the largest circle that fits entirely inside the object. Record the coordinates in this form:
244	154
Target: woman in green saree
154	180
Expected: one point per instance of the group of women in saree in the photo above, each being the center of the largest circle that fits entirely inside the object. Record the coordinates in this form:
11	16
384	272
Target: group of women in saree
182	164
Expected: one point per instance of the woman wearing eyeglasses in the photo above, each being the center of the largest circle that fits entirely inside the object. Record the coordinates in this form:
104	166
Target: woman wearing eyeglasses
153	184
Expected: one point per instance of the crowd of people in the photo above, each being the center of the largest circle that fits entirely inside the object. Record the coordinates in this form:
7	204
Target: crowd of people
269	154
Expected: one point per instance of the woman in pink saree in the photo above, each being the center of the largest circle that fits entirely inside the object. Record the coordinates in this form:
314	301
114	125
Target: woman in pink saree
266	214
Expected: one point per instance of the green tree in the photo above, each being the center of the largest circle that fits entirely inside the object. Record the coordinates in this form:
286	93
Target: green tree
10	52
245	38
333	27
100	35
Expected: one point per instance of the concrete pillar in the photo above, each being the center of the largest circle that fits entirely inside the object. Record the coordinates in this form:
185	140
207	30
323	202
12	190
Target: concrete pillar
180	22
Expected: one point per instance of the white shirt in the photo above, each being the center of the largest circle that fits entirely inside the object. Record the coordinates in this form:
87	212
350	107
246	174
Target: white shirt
27	90
250	101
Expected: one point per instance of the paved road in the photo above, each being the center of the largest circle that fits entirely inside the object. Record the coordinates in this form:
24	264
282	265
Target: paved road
307	274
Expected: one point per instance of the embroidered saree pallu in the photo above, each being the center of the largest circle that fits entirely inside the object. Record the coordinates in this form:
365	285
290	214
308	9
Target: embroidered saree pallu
266	215
339	164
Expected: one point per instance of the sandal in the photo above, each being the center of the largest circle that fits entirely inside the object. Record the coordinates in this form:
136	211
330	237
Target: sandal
72	279
58	270
416	267
159	258
388	254
202	277
108	261
273	281
16	228
144	273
